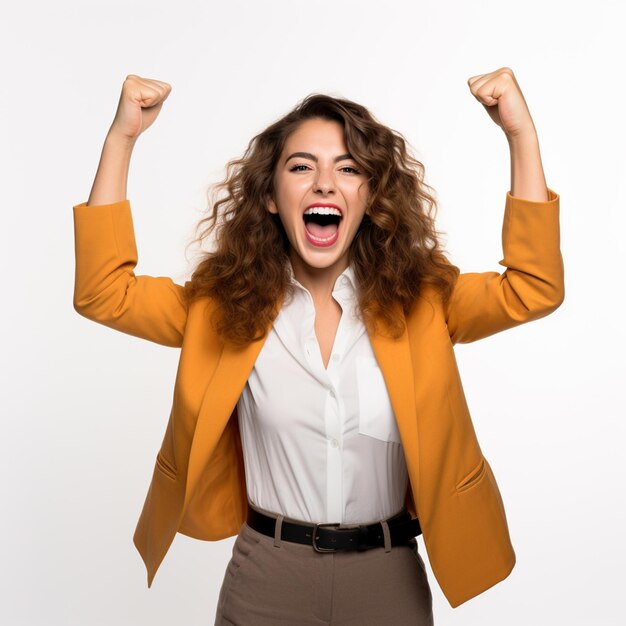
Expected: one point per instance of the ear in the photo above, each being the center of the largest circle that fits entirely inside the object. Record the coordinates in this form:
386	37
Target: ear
271	205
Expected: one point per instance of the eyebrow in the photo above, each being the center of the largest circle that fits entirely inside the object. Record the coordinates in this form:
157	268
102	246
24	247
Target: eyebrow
308	155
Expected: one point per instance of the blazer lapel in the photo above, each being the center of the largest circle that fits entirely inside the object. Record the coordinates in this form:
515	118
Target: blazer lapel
394	359
218	404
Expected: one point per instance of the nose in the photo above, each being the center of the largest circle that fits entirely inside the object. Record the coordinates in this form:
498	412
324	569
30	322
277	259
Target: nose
325	181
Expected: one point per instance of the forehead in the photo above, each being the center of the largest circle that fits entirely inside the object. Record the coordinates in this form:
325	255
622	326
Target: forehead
317	133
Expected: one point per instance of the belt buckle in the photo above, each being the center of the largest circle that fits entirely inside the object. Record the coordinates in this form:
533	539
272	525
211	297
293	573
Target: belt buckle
315	546
336	525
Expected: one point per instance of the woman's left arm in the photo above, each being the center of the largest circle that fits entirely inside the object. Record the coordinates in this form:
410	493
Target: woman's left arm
484	303
504	101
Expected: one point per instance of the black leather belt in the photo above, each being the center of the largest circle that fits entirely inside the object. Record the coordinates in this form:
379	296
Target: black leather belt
329	537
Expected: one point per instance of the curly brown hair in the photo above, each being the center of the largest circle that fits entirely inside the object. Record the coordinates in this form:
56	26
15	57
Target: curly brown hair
394	252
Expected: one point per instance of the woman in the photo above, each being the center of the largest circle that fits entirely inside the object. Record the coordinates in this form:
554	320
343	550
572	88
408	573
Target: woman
318	412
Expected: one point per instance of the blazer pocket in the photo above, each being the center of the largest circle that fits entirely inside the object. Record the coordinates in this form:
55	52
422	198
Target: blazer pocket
376	416
473	478
165	466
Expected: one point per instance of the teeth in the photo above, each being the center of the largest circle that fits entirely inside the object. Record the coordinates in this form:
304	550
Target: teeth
322	210
320	239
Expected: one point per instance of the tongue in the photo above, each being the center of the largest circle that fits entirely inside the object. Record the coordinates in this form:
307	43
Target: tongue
323	232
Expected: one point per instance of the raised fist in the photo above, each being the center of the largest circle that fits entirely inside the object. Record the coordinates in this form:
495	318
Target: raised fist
139	105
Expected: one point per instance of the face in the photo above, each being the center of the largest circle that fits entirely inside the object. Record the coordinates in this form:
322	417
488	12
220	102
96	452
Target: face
315	170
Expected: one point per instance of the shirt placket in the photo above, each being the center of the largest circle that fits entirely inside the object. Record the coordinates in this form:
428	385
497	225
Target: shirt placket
334	420
334	410
330	377
335	414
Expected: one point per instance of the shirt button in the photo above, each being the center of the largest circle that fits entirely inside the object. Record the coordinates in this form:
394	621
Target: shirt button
334	443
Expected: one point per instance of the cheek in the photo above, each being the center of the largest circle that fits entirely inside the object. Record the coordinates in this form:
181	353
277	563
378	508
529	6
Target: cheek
360	194
289	202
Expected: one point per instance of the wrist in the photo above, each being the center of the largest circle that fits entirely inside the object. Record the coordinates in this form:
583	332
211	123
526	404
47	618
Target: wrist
119	140
523	138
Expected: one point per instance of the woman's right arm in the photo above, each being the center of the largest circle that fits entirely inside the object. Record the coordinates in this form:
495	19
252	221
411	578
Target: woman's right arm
106	289
109	185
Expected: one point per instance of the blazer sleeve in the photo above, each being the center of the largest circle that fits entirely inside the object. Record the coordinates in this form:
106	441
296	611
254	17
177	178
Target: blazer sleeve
531	286
106	289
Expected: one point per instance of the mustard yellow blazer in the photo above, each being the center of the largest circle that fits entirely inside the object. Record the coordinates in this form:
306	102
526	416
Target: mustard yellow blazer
198	486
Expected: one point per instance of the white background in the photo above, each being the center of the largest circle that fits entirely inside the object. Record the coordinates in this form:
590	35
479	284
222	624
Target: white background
84	408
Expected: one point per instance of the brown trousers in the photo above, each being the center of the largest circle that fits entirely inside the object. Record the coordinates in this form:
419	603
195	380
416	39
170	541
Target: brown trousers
269	581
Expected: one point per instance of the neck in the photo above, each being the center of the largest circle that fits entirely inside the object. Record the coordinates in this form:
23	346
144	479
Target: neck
319	281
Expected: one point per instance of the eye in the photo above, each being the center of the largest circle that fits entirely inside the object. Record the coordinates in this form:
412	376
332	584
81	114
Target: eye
346	167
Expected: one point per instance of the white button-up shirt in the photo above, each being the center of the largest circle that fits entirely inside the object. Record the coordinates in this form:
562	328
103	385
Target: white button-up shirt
321	445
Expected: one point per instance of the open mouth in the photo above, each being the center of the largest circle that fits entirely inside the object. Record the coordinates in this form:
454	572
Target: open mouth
321	225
